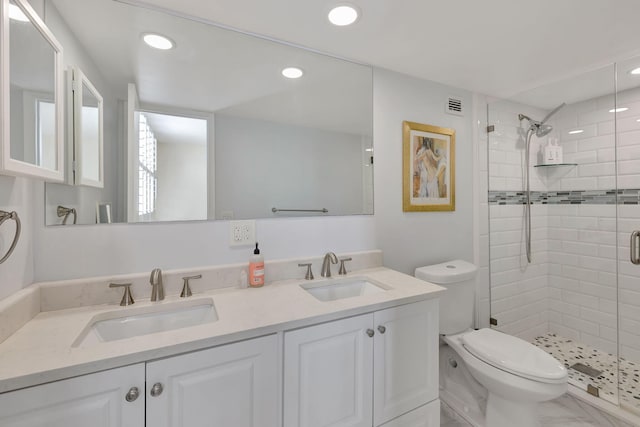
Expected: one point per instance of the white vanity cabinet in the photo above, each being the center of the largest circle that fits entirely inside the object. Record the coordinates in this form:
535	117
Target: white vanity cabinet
231	385
365	370
96	400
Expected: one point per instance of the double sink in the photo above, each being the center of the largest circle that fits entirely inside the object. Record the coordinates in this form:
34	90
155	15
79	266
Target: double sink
132	322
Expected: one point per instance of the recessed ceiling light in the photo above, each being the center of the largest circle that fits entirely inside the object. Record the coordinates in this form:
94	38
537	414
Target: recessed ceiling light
343	15
368	149
574	132
17	14
292	72
618	110
157	41
635	71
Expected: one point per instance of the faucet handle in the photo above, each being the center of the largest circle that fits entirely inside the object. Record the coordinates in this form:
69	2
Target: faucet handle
343	270
309	274
127	298
186	289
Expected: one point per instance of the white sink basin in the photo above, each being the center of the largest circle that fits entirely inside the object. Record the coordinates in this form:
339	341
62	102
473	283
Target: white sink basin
133	322
335	289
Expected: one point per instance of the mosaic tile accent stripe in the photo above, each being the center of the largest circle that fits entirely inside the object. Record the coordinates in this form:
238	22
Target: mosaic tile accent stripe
581	197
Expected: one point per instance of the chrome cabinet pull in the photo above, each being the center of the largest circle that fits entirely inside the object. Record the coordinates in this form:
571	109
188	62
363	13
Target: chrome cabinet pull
132	394
156	390
634	244
382	329
370	332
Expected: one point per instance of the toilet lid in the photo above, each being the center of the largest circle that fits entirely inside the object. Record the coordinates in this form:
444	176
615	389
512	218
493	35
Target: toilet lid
514	355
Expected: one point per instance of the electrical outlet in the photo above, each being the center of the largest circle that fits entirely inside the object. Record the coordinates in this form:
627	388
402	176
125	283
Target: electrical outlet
242	233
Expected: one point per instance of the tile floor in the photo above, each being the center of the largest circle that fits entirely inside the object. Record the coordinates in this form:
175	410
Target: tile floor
565	411
570	352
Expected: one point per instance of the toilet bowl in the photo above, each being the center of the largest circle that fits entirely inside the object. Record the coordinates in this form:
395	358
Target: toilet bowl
513	375
516	377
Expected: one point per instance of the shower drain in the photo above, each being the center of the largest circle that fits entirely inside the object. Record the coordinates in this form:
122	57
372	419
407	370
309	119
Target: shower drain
587	370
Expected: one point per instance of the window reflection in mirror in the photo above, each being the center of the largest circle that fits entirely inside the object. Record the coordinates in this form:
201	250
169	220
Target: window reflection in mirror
90	135
172	168
32	72
86	131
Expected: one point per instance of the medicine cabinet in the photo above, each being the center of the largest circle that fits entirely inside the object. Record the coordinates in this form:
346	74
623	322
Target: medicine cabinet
32	102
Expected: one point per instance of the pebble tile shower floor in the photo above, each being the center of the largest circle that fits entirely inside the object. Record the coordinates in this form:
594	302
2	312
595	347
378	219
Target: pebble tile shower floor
570	352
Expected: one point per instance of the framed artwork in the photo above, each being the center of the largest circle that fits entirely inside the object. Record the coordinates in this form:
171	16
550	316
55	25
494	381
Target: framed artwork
428	168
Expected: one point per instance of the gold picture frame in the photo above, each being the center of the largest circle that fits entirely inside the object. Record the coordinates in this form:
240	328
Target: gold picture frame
428	168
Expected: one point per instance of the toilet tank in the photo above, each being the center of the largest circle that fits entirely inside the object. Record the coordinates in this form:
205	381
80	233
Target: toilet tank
457	304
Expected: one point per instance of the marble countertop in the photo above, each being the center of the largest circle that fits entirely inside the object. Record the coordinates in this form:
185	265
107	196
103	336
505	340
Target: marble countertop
42	350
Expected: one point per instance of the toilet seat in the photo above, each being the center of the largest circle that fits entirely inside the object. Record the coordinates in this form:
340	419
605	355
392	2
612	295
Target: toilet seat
514	355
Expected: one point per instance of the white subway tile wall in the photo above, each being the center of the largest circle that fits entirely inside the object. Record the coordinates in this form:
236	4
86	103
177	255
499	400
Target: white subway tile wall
570	288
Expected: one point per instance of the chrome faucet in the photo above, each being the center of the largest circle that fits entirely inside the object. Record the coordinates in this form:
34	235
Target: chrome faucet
329	258
157	289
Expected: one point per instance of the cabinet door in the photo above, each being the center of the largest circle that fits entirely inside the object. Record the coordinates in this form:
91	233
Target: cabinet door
405	358
96	400
327	374
234	385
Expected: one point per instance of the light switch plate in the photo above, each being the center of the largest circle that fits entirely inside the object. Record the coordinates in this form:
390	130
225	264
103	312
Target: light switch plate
242	233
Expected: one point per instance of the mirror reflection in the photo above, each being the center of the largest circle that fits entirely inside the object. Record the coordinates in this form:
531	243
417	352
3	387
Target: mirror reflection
32	93
206	126
171	180
87	133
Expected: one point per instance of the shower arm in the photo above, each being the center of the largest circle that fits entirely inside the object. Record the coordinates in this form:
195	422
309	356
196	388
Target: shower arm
555	110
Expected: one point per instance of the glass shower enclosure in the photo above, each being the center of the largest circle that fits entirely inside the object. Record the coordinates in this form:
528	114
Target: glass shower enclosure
579	297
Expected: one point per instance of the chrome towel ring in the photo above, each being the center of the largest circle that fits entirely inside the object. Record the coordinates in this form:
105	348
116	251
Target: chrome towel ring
64	212
4	216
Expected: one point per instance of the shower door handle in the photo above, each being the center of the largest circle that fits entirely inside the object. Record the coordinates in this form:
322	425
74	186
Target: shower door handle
634	245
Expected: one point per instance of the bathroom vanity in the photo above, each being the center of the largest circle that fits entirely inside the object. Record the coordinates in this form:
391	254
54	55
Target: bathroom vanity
274	356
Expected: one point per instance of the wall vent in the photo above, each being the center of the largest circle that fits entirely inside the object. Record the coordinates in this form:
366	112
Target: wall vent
454	106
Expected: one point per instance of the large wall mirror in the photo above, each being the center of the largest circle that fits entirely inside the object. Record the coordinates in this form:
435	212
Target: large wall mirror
32	108
205	125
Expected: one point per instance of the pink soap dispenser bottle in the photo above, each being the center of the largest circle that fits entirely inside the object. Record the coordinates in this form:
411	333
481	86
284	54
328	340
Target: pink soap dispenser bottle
256	269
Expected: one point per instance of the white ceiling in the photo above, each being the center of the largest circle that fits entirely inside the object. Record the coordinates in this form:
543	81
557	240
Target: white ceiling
216	70
494	47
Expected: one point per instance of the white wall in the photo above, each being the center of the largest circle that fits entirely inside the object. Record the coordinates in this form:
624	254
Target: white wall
17	194
414	239
182	182
270	165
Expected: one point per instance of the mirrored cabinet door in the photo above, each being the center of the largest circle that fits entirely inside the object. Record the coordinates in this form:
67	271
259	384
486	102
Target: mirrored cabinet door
32	107
86	123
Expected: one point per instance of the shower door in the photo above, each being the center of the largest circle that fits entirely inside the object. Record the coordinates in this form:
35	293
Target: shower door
566	300
628	179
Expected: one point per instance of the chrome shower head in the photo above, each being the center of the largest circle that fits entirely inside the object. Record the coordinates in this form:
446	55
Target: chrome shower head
540	128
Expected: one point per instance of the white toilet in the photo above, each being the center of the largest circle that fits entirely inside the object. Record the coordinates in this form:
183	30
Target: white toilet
492	379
